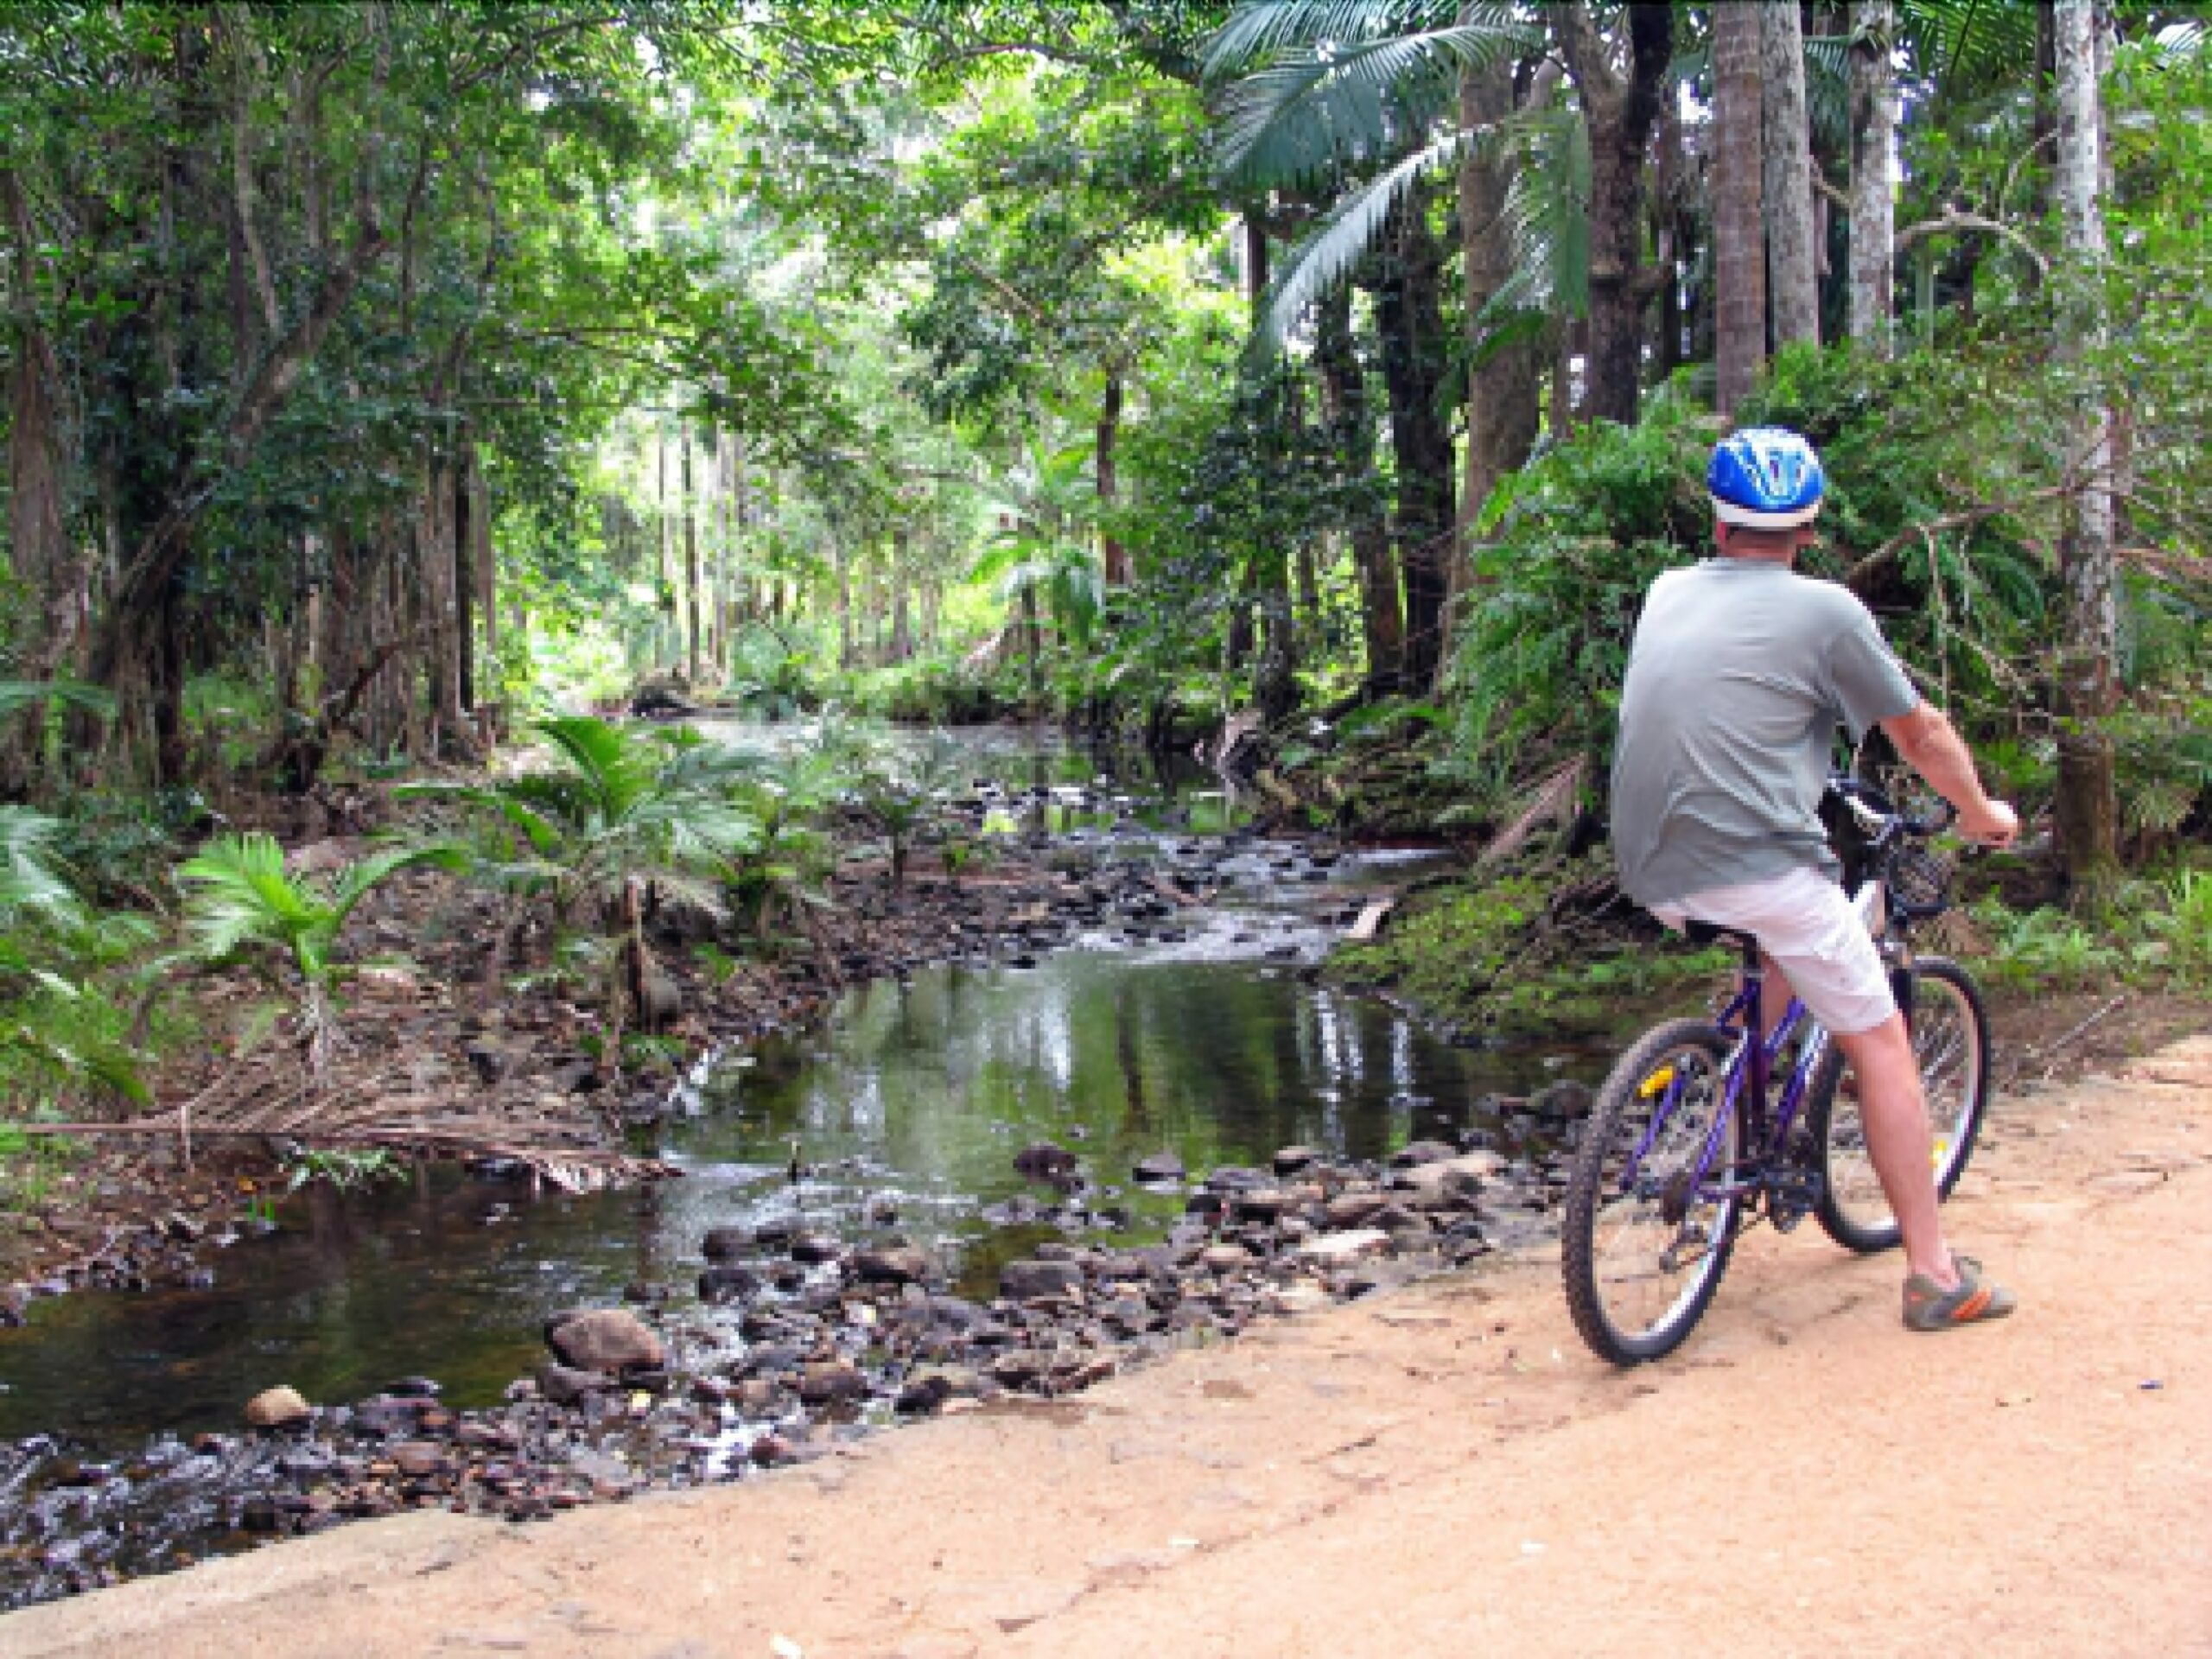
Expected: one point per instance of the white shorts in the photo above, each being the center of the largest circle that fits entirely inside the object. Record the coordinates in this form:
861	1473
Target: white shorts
1807	925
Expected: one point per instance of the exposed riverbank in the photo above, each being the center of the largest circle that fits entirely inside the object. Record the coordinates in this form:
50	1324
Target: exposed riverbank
1432	1470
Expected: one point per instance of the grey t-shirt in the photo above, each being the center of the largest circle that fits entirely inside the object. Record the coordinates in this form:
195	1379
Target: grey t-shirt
1740	674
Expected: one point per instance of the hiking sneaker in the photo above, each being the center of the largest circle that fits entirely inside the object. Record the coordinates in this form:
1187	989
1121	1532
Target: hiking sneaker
1928	1307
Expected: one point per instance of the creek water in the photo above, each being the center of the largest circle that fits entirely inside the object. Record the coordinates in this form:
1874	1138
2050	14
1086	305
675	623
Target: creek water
904	1109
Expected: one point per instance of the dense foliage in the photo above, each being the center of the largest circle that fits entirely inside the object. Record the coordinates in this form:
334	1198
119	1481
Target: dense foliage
384	381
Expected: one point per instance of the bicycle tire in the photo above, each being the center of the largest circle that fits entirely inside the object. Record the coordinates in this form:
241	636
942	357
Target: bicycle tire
1948	1018
1617	1120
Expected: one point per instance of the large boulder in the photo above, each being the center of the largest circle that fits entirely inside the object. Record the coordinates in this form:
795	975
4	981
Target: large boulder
610	1339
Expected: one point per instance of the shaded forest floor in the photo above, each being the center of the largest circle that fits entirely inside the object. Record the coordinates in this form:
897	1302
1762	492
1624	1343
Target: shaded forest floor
477	1067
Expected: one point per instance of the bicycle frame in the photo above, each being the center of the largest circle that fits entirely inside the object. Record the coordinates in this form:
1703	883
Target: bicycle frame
1749	1074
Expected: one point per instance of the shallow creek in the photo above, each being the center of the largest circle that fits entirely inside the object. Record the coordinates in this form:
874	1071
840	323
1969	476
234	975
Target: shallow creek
1197	1033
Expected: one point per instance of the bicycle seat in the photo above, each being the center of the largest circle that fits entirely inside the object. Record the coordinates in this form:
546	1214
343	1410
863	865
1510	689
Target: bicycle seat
1713	933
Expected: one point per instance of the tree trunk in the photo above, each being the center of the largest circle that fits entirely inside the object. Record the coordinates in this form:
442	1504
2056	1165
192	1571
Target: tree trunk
2086	808
1502	388
1619	113
1350	427
1409	316
1738	191
439	592
902	625
694	657
1793	281
464	582
1115	556
484	559
1873	207
38	540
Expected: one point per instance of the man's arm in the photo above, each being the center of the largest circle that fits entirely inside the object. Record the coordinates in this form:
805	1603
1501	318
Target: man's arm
1932	747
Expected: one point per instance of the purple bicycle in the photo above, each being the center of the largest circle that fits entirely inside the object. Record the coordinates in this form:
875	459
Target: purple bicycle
1688	1145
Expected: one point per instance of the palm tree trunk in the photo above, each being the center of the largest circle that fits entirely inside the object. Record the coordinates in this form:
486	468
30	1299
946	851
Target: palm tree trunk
1502	391
1620	112
1793	283
2086	809
1874	210
1739	259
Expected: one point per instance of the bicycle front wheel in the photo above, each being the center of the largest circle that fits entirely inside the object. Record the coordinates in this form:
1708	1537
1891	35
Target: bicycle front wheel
1646	1239
1951	1038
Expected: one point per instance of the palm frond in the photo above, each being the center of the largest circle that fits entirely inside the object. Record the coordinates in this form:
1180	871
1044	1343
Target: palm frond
1316	111
102	1063
15	695
1547	218
618	769
504	799
1258	29
238	893
30	872
1955	40
1323	260
356	881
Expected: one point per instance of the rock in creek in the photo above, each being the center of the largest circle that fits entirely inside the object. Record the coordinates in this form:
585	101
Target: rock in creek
1417	1152
1562	1099
276	1407
1161	1166
1043	1161
722	1243
1035	1281
609	1339
725	1283
1347	1246
1291	1160
829	1381
564	1385
897	1265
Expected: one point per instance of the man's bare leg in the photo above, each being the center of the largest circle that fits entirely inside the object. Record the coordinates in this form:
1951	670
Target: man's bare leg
1894	1110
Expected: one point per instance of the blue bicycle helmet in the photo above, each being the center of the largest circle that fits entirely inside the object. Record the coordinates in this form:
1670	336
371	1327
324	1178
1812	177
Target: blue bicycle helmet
1764	478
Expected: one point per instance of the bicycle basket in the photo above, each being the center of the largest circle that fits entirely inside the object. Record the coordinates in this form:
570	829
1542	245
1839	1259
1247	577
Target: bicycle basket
1920	882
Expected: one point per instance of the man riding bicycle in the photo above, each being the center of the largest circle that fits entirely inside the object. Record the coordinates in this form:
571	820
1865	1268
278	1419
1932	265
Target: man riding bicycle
1740	672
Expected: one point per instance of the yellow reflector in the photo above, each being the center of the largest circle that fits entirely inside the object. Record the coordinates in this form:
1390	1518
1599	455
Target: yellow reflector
1657	1081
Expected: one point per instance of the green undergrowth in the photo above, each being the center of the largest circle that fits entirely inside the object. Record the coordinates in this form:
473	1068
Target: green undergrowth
1544	945
2156	935
1530	947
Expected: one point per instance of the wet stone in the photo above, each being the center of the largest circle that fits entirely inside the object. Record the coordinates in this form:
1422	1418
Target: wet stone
276	1407
1161	1166
1029	1281
899	1265
1421	1152
723	1284
607	1339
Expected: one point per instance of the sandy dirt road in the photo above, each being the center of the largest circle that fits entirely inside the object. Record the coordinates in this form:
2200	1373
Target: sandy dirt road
1440	1472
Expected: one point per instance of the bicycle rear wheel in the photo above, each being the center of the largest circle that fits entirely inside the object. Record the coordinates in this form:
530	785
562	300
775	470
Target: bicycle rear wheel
1950	1037
1644	1246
